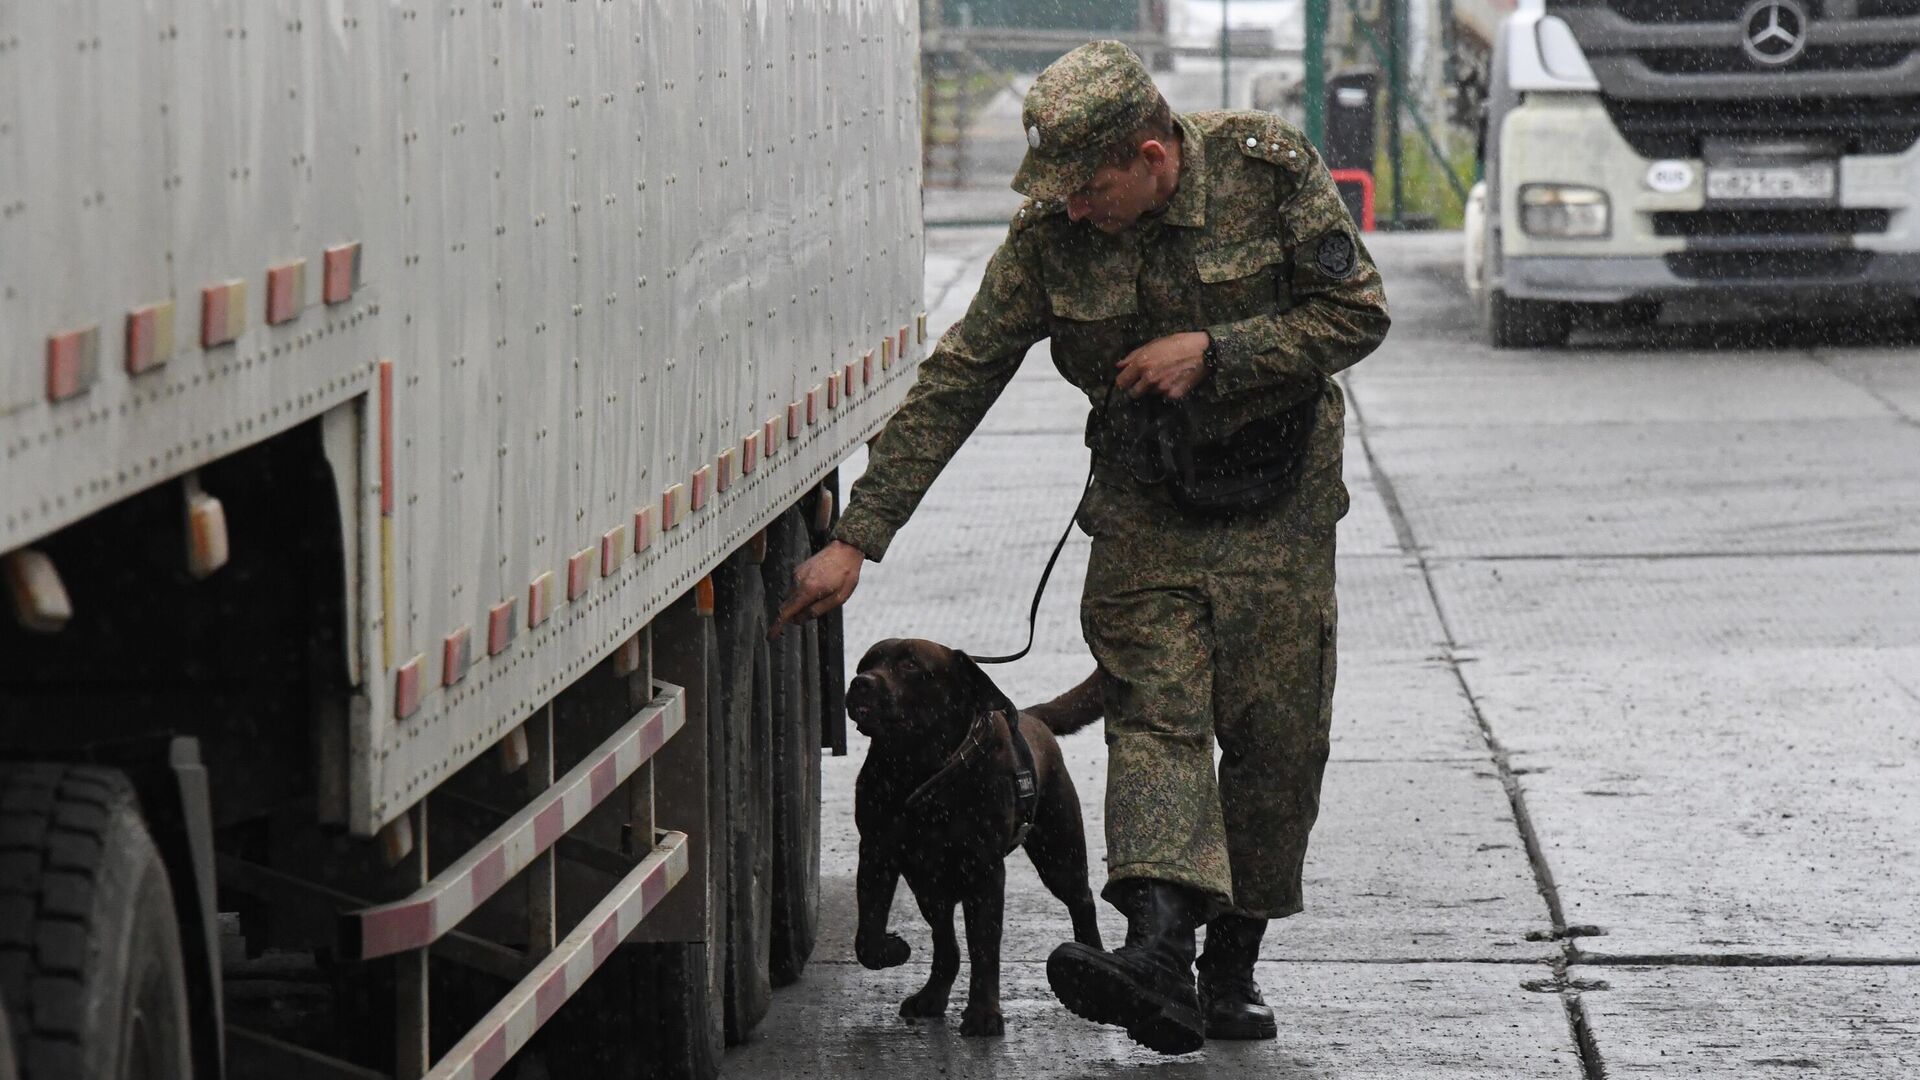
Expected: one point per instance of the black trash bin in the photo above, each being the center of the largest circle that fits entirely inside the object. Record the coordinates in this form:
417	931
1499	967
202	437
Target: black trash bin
1351	142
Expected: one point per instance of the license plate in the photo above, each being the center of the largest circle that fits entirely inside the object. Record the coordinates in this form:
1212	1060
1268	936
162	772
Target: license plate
1742	182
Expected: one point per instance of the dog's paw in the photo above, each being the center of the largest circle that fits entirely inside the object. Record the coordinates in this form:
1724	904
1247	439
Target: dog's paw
892	951
925	1004
982	1020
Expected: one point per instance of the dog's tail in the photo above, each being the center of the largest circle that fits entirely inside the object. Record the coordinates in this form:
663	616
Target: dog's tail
1074	709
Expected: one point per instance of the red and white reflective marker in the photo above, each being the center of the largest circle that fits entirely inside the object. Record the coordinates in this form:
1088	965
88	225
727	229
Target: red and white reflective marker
340	267
793	421
579	576
613	550
456	655
502	627
286	291
833	391
539	599
749	453
771	435
866	368
406	688
886	352
149	337
223	312
813	405
702	482
40	598
902	347
386	437
723	471
643	528
207	548
73	360
673	506
626	658
920	328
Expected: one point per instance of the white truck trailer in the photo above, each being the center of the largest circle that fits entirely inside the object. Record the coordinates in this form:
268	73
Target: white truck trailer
1762	153
410	414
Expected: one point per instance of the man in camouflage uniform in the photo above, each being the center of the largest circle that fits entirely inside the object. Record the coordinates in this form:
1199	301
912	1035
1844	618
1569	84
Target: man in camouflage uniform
1205	258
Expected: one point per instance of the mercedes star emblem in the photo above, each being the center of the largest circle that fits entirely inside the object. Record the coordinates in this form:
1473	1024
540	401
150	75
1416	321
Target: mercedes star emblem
1774	32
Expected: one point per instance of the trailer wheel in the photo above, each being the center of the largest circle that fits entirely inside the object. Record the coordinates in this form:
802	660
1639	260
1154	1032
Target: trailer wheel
746	694
796	763
1526	324
90	964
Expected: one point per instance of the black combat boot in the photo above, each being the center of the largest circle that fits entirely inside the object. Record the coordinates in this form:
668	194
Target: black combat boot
1146	985
1229	998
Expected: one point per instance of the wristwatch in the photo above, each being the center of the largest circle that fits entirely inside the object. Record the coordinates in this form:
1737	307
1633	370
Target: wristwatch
1211	358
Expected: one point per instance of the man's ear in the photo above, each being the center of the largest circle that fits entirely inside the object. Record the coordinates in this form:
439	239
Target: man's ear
1154	151
981	692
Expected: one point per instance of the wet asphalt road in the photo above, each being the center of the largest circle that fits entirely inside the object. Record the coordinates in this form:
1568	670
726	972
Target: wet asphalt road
1626	768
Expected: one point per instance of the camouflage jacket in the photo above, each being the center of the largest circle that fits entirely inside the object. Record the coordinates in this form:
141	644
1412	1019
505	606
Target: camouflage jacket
1255	247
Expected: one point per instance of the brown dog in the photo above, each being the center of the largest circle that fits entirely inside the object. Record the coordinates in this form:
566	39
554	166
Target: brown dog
946	793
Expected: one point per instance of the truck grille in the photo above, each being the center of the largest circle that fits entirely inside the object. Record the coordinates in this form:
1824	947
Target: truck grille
1770	223
1681	11
1839	265
1673	12
1674	71
1734	61
1665	129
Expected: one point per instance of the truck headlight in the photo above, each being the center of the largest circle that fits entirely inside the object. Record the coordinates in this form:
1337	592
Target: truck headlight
1564	211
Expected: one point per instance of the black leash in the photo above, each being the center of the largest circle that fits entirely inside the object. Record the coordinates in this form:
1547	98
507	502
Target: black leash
1040	590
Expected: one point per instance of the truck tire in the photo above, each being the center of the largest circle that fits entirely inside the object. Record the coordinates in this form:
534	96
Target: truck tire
746	696
796	762
90	963
1526	324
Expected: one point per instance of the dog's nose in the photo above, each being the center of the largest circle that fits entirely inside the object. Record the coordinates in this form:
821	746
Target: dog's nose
864	682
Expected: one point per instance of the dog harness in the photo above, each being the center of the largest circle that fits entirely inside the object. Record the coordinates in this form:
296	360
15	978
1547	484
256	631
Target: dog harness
1026	784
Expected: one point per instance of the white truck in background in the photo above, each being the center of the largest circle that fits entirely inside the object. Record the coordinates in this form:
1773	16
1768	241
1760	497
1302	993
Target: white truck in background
410	415
1764	153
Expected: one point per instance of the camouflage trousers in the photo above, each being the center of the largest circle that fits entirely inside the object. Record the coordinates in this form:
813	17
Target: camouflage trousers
1214	629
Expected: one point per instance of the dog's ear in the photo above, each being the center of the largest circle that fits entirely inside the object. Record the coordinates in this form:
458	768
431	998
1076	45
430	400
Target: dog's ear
982	693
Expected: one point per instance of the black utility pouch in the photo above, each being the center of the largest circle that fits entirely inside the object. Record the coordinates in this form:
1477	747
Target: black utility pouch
1249	469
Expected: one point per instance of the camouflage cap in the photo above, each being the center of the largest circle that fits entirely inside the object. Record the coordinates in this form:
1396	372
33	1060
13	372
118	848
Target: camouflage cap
1077	107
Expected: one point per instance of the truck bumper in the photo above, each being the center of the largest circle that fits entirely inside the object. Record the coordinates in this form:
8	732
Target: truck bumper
1848	278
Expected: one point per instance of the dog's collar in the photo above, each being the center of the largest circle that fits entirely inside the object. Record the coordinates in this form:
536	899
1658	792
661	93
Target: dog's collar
1026	786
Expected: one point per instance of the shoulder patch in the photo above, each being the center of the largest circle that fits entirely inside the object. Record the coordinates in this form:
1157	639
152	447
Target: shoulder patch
1334	254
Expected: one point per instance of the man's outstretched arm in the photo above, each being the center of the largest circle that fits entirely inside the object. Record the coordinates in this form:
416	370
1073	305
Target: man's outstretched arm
958	382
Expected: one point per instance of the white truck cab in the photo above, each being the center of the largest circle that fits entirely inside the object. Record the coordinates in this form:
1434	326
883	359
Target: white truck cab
1759	152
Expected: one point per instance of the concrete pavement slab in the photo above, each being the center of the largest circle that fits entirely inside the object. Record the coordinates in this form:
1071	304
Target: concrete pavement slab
1582	387
1735	805
1385	607
1410	859
1889	374
1337	1022
1600	489
1654	606
1368	528
1756	1023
